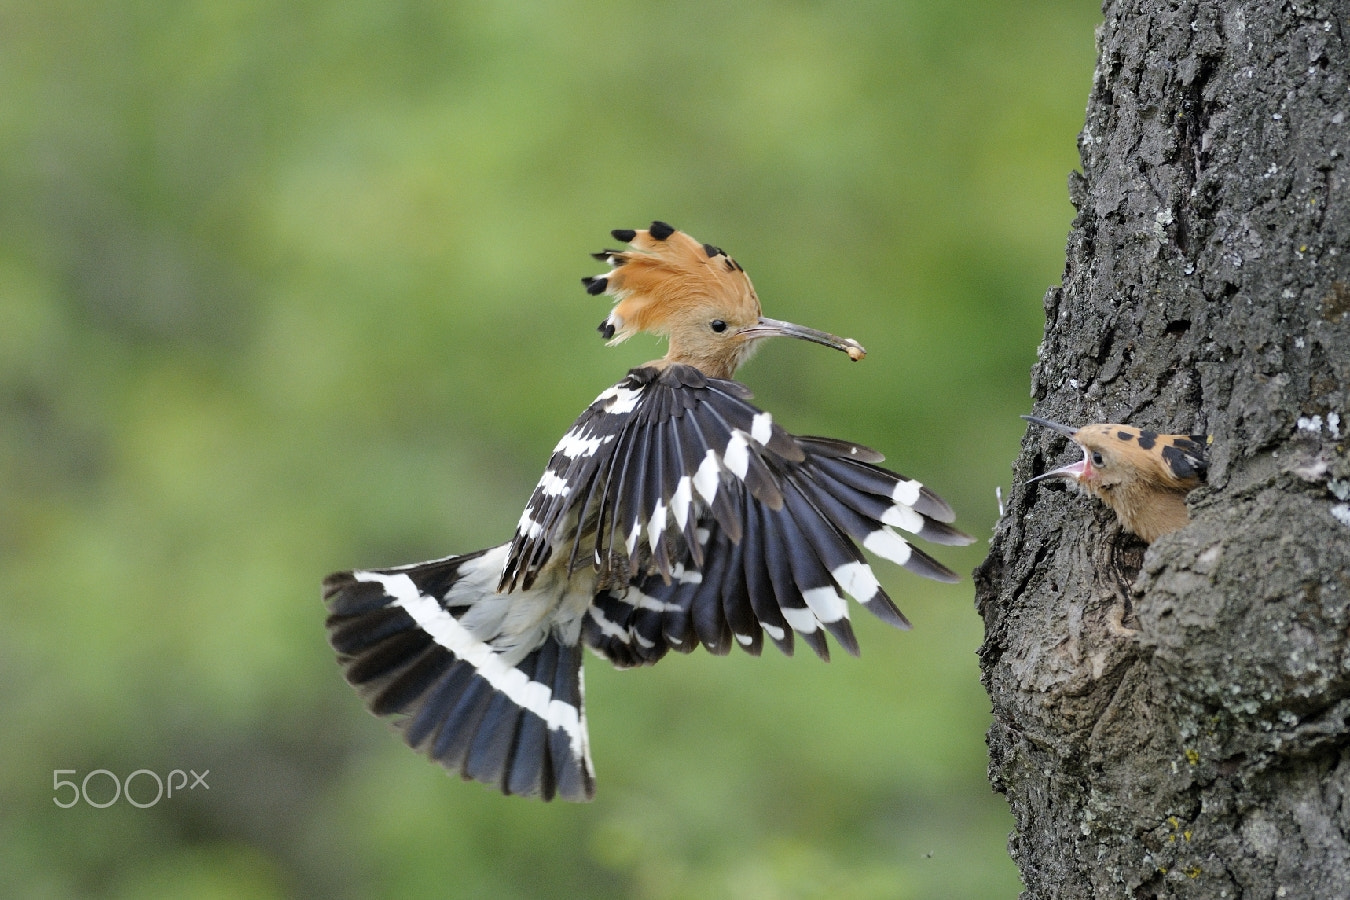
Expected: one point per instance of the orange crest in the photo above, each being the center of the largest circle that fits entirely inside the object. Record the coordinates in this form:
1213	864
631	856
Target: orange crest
666	277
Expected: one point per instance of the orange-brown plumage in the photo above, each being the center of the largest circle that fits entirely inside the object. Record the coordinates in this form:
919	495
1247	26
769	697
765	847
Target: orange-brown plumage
1142	475
696	296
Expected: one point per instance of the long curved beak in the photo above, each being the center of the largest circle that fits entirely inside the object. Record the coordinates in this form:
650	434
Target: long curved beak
1053	426
776	328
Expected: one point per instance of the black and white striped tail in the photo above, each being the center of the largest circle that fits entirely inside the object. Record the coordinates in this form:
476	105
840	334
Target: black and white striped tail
510	717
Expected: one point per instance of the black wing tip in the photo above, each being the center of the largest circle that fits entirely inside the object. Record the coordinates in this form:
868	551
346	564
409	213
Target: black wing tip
922	564
883	607
934	507
833	447
937	532
842	632
575	784
815	639
337	583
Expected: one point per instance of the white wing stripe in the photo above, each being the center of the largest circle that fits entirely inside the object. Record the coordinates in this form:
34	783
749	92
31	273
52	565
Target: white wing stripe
906	492
527	526
904	518
826	603
857	579
657	526
552	484
639	600
680	500
607	628
801	620
707	476
619	400
761	428
518	688
737	456
575	444
889	545
686	576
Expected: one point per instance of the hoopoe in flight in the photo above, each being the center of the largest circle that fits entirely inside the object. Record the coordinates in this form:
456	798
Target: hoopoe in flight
672	513
1142	475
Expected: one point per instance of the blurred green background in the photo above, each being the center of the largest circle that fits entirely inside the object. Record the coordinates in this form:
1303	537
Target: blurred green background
292	287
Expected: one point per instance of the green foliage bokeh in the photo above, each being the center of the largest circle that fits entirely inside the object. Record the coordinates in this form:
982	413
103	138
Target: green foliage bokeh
293	287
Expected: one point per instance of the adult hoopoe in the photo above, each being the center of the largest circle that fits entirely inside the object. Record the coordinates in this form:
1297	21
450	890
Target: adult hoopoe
672	513
1142	475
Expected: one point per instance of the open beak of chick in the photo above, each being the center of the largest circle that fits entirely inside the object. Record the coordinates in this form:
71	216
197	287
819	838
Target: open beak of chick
1079	471
1142	475
766	327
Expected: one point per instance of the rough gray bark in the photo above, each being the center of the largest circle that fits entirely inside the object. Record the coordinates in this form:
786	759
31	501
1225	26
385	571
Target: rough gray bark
1201	746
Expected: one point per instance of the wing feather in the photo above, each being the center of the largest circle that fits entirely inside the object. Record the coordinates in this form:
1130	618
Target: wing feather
708	523
883	483
634	495
759	585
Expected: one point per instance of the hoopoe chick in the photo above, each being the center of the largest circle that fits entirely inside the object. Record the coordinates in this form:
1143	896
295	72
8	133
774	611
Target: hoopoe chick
672	514
1142	475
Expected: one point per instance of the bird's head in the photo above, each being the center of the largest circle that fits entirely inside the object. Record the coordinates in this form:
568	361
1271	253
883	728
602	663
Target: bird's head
696	296
1116	455
1143	475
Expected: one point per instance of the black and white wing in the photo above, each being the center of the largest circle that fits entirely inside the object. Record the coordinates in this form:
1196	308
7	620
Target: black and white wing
429	645
708	523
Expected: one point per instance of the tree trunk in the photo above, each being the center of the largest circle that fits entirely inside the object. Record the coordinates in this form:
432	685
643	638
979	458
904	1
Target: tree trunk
1174	720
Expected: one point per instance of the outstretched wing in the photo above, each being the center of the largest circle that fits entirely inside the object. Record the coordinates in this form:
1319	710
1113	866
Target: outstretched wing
706	522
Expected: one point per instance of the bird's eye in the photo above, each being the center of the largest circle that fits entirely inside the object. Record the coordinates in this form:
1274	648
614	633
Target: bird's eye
1097	459
718	325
